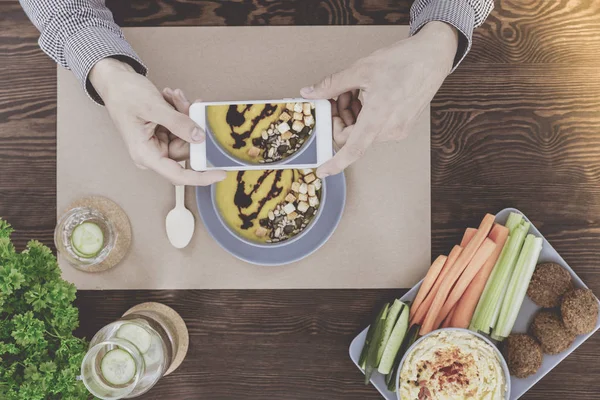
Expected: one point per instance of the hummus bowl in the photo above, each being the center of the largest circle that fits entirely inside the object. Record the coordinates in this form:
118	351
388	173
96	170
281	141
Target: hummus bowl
453	363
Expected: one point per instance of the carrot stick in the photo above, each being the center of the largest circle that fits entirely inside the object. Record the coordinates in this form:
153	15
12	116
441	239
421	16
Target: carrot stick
454	272
428	282
465	308
418	313
448	321
469	233
481	256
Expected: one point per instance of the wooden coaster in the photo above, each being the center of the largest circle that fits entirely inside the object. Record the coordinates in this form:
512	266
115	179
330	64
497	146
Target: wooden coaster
173	325
115	214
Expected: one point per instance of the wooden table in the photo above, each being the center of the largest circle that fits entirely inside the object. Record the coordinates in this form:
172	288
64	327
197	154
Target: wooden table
518	124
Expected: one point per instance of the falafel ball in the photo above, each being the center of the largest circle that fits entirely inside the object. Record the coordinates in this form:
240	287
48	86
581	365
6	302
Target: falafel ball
549	330
549	283
579	311
523	355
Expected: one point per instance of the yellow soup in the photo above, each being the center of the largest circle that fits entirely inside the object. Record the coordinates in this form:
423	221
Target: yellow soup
246	197
268	206
235	126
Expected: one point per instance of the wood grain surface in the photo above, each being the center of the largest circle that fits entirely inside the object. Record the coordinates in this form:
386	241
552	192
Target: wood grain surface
518	124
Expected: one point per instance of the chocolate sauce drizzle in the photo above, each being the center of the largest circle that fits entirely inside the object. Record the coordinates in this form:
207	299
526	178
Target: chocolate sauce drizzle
236	119
244	200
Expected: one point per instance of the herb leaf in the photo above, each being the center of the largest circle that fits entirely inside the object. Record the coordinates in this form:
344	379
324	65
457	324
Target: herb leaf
39	356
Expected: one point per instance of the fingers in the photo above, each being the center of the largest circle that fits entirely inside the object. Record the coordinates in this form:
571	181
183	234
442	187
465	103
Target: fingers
356	106
179	149
177	122
347	117
344	111
360	137
344	100
335	84
334	108
341	137
338	126
179	176
347	105
177	99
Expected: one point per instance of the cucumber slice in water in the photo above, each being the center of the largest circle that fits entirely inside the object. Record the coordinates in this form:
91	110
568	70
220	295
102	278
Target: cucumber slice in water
154	354
136	335
87	239
118	367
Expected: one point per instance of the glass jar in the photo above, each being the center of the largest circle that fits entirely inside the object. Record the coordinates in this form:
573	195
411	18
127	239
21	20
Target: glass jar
128	357
63	235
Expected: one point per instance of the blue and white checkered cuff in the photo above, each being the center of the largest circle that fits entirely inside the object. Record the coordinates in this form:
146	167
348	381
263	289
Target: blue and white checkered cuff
458	13
89	45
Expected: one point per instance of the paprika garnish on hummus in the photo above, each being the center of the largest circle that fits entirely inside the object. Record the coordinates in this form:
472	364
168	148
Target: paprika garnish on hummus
452	365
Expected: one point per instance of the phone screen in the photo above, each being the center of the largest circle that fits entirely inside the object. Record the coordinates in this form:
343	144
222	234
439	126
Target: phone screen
261	134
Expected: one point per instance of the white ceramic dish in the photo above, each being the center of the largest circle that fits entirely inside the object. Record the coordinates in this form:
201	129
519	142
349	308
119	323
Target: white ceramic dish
476	335
527	312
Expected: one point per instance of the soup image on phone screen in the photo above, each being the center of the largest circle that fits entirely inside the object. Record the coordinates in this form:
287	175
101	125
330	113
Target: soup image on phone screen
262	133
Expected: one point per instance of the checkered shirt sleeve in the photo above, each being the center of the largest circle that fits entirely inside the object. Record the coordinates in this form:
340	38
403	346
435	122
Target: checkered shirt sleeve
464	15
79	33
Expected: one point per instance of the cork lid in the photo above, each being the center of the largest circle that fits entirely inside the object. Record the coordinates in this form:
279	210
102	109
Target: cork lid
173	325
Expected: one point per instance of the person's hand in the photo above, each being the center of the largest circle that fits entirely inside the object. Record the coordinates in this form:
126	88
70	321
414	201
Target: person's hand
155	127
397	84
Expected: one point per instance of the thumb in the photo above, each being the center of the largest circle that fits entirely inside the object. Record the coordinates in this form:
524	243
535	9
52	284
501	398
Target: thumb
360	137
178	124
333	85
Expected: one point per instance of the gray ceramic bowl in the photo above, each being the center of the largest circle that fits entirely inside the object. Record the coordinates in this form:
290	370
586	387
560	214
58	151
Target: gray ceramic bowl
330	216
312	222
498	354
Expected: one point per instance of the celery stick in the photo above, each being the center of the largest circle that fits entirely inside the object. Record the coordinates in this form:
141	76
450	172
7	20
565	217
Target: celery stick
518	287
513	221
498	306
477	315
498	281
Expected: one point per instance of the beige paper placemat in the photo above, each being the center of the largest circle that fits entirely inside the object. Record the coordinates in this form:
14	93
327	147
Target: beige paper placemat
383	239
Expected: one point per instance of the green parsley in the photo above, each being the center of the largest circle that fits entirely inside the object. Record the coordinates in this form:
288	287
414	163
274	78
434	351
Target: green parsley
39	356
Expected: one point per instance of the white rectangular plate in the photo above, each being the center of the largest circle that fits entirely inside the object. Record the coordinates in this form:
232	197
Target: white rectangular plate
527	312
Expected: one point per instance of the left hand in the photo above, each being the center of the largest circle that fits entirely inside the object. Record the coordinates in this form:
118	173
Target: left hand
155	126
175	147
397	84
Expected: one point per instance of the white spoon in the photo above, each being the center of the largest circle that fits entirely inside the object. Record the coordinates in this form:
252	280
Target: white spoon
180	220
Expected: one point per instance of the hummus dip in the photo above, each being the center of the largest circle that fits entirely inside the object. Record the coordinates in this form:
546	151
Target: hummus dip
452	364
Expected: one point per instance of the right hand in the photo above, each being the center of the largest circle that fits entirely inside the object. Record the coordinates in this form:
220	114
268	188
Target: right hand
397	83
155	126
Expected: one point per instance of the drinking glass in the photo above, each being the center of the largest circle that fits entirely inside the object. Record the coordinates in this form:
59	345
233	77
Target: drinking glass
146	340
64	230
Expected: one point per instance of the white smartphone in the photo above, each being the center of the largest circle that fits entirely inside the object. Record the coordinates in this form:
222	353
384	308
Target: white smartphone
264	134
